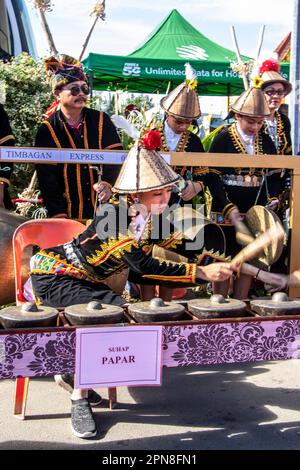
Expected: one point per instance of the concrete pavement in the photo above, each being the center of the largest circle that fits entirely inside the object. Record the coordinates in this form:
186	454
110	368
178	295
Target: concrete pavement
239	406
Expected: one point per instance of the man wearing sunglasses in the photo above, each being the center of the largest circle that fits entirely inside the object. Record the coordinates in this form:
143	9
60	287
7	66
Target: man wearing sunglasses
68	190
276	87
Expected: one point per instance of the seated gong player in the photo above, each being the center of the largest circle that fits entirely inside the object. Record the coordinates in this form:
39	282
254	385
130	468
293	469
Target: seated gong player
75	273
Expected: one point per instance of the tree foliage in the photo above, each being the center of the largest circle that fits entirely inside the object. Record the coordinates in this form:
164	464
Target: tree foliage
26	94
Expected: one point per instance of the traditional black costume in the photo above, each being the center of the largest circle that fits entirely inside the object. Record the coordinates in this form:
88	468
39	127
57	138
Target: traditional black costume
75	272
278	125
68	188
7	139
245	187
182	104
280	133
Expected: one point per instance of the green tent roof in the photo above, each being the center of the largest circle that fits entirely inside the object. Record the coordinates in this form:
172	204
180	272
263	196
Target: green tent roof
159	62
176	39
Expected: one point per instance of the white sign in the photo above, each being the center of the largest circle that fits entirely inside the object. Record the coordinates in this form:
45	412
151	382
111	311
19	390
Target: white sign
38	155
118	356
32	154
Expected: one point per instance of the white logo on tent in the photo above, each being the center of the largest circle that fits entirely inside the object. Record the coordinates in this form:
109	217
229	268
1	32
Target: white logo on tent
192	52
131	68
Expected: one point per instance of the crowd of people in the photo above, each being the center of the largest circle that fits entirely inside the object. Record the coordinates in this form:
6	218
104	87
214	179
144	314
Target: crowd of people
141	191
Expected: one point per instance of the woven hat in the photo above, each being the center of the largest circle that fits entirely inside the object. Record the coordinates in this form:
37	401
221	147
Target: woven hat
183	101
252	102
144	169
270	73
64	69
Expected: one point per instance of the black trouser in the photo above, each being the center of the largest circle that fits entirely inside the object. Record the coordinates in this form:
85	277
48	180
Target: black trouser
60	291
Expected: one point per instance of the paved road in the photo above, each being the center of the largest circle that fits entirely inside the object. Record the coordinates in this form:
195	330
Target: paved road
240	406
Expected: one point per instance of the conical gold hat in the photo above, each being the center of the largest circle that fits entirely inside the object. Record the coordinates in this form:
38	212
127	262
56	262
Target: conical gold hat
182	102
252	102
144	170
271	77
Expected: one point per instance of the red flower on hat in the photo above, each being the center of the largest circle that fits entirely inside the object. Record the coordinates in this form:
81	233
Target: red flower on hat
269	65
151	140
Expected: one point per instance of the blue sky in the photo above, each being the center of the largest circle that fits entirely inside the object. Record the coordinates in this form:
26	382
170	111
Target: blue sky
128	22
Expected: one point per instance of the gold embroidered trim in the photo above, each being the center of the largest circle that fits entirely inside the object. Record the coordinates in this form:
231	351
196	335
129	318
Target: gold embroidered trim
216	256
112	146
181	146
112	247
78	177
91	173
282	140
172	242
69	136
53	135
100	128
67	193
228	209
201	171
189	276
66	173
239	145
6	138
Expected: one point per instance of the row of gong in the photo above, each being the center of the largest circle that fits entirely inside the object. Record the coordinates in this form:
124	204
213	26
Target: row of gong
95	313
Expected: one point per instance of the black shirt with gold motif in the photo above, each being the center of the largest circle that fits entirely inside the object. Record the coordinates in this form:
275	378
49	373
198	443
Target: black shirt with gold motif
246	187
282	140
107	247
68	188
190	142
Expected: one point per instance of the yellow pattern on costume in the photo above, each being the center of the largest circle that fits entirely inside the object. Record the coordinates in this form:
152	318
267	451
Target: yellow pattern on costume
113	247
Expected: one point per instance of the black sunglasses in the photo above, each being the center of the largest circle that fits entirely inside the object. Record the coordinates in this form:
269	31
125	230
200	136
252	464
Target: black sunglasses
76	89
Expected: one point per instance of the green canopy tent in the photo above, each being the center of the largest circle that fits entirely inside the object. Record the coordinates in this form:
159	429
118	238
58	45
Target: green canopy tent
158	64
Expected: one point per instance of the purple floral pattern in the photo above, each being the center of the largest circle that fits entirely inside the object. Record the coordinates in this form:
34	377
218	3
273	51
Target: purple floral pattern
219	343
49	353
37	354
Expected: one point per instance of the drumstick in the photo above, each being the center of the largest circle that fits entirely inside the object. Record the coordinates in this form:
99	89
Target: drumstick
243	239
258	245
294	278
167	255
250	251
243	234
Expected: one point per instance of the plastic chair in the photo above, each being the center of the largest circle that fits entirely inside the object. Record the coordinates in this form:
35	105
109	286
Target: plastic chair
177	293
44	233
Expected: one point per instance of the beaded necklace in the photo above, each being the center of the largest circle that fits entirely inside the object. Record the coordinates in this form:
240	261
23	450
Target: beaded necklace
239	144
240	147
181	146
